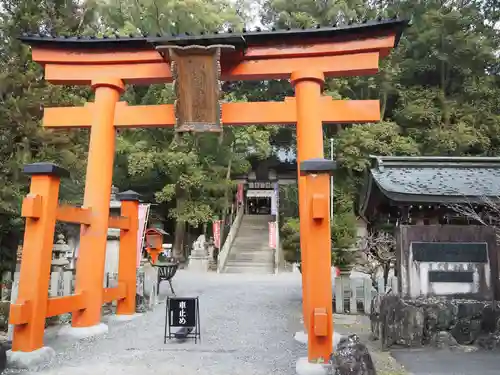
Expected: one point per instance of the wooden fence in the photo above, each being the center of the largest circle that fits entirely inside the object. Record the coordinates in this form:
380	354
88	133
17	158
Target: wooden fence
354	295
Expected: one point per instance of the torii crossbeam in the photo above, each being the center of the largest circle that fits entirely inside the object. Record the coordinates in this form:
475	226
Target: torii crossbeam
196	64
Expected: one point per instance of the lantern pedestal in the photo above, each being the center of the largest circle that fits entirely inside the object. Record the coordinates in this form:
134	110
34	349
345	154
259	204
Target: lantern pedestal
199	264
199	260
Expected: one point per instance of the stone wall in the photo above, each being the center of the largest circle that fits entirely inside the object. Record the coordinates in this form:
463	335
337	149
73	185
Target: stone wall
436	322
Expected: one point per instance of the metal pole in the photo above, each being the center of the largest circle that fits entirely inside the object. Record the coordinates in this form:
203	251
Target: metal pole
331	182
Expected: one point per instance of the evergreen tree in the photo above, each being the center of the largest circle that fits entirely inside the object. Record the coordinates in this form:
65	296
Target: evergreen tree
189	175
23	94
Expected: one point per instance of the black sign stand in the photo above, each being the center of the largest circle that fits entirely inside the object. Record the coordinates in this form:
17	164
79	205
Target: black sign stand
182	313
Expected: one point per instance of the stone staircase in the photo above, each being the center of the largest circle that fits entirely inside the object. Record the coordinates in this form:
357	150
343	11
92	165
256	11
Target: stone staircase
250	252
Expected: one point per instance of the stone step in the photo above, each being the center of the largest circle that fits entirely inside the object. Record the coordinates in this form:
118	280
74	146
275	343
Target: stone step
263	253
252	239
254	251
257	270
258	238
250	252
247	266
251	261
251	247
257	233
250	256
254	246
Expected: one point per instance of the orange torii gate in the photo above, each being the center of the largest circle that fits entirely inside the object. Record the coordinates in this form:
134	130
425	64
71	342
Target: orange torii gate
196	64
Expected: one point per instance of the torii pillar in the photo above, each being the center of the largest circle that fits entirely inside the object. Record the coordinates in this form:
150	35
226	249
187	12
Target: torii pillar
196	65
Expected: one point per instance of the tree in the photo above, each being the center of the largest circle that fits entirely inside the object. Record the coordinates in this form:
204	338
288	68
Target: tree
447	61
23	94
189	175
377	253
486	212
356	143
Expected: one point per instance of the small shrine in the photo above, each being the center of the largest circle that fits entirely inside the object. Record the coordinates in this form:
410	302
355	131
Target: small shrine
439	250
424	190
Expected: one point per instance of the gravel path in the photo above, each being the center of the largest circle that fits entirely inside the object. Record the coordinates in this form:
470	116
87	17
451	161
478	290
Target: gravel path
247	323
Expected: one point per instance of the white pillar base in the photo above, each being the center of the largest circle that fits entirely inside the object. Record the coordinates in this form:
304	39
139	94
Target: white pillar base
28	360
301	337
83	332
304	367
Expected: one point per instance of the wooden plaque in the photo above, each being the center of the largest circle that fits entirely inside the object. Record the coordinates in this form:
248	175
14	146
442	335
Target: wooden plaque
196	75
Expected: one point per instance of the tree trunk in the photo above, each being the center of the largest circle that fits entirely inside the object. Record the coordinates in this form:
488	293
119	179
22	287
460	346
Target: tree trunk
226	194
386	267
383	105
180	230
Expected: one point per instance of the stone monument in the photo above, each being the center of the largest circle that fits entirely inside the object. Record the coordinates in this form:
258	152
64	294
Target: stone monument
199	259
212	259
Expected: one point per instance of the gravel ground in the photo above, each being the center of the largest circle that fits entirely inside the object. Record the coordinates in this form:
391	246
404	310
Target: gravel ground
247	327
446	362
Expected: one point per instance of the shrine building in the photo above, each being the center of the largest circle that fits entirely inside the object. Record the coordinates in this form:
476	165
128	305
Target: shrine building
261	184
426	190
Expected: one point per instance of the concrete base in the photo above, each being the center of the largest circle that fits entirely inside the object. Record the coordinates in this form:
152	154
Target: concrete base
301	337
83	332
304	367
123	318
199	264
28	360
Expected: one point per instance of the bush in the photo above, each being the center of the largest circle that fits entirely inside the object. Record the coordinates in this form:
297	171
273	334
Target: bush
290	239
343	234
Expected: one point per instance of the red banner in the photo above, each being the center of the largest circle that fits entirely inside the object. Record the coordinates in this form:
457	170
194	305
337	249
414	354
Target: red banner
239	194
272	234
216	232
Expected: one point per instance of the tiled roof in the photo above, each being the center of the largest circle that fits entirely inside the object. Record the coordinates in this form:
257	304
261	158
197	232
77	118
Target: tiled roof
435	179
231	37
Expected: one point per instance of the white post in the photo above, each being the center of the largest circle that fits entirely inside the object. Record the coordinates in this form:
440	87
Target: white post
54	284
339	295
367	293
353	298
13	299
331	181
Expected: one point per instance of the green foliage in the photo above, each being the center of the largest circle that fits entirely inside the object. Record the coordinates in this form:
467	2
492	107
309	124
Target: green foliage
439	90
290	239
343	228
385	138
191	172
23	94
